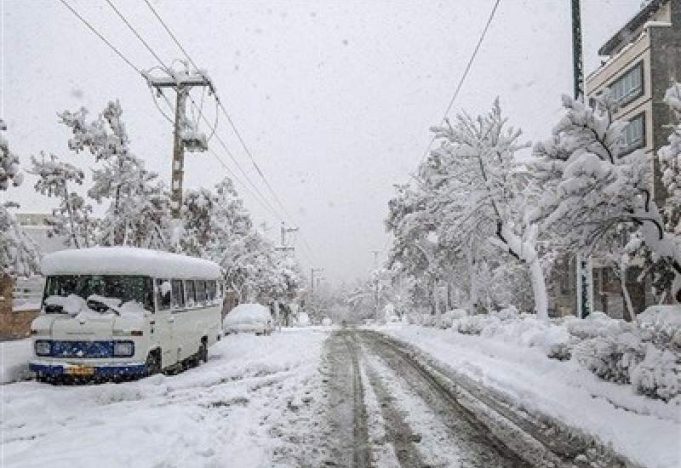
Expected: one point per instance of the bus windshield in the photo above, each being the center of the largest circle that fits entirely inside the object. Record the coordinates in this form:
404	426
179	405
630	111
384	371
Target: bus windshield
124	288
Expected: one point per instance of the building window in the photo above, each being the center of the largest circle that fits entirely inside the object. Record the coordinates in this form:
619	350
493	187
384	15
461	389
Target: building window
634	135
628	86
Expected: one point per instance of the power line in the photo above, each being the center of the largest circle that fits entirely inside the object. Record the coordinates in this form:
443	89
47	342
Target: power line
465	74
250	155
231	122
244	186
263	200
170	33
99	35
224	110
263	203
134	31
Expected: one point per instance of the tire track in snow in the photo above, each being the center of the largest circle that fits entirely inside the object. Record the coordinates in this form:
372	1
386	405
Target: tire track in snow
450	434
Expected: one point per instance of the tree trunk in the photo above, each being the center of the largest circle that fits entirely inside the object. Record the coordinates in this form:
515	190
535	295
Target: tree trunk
625	290
541	303
525	251
473	287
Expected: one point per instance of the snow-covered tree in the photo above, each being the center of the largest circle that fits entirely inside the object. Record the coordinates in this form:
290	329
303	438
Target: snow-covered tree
72	219
592	185
670	162
18	253
218	226
477	192
138	213
9	163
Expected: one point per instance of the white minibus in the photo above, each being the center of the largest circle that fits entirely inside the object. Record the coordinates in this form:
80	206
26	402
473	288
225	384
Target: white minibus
122	312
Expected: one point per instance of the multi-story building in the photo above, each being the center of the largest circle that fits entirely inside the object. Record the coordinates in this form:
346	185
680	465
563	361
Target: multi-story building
639	64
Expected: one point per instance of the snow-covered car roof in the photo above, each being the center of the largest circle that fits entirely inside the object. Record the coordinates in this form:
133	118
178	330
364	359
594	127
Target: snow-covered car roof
128	261
247	313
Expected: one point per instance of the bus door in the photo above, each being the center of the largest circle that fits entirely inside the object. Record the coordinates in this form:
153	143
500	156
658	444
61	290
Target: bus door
164	324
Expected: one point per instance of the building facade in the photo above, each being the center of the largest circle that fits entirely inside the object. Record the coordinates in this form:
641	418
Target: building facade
639	63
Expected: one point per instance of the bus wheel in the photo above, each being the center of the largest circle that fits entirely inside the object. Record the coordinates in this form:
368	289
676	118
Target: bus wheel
203	352
153	363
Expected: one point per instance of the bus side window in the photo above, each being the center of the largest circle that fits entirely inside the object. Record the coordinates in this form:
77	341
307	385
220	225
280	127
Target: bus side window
163	289
211	290
189	290
200	292
178	294
149	294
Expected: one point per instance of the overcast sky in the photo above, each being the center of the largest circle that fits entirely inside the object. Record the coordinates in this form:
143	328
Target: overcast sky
334	98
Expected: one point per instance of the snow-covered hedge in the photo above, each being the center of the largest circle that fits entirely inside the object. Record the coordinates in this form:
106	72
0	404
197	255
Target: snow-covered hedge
647	356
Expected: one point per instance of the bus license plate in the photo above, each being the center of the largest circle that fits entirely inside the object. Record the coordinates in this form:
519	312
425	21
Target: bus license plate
80	371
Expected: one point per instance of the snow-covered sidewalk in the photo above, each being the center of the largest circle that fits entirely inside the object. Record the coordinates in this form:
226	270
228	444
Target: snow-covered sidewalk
242	408
14	357
645	431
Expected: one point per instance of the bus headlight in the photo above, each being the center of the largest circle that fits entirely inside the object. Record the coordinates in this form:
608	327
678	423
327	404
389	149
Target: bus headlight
123	348
43	347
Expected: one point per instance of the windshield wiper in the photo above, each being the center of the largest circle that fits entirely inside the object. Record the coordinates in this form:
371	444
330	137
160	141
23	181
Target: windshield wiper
101	307
54	309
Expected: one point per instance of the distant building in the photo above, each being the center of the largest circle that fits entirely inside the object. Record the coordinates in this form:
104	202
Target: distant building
34	225
640	62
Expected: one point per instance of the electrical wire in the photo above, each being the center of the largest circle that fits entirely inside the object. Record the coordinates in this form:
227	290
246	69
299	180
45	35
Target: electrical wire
250	155
229	119
464	75
170	33
134	31
224	110
99	35
264	202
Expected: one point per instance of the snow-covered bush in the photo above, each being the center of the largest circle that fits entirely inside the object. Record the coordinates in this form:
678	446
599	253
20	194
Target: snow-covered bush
647	357
447	318
595	325
658	375
611	357
662	326
474	324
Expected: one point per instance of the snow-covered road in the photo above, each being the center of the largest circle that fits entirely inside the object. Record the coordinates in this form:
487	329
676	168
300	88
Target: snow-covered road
248	406
327	397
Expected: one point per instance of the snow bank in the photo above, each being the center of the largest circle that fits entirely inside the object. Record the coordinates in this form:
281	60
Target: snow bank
128	261
644	430
231	411
14	360
303	319
647	357
247	314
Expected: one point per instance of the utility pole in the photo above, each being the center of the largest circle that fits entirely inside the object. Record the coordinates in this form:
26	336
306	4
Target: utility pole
375	252
583	265
184	135
375	273
577	56
286	230
312	272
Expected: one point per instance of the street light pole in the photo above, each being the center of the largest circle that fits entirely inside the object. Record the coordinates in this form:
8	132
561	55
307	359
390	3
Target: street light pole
583	265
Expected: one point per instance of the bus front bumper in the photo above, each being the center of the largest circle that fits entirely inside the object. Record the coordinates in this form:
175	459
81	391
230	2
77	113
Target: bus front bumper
99	372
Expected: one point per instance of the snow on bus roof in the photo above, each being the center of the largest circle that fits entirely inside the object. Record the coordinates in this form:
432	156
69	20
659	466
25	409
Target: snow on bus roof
128	261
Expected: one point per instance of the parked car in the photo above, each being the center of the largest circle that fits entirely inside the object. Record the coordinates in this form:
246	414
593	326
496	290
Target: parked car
248	318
